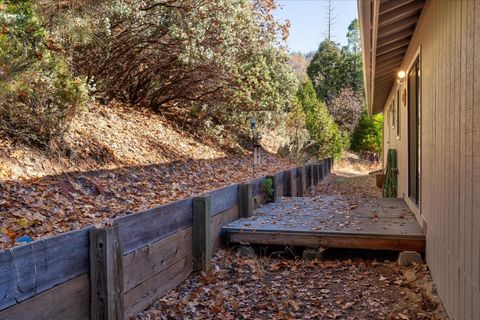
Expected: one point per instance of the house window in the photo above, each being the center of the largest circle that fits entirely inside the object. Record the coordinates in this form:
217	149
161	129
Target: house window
398	105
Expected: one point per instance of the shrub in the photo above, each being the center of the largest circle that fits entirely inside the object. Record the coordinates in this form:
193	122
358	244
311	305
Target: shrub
347	109
367	135
213	58
38	94
326	140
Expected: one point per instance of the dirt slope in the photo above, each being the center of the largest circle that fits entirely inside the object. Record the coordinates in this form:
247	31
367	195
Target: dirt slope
106	137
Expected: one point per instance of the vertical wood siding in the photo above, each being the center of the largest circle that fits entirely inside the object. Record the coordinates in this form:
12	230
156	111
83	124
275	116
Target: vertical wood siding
448	36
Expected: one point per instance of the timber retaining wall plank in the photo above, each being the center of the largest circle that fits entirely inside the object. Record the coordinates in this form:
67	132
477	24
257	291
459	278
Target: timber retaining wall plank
140	229
31	269
70	300
224	198
220	220
145	294
144	263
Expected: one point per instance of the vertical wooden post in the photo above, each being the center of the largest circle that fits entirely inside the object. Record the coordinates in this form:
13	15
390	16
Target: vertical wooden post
286	184
301	184
315	174
106	274
245	198
310	168
304	180
202	249
298	181
291	176
321	171
276	188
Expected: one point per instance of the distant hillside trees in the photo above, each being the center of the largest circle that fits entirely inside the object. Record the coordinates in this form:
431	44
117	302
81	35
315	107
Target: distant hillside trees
337	75
299	64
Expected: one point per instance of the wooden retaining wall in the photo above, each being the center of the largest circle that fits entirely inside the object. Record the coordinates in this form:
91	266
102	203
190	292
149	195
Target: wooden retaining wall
117	272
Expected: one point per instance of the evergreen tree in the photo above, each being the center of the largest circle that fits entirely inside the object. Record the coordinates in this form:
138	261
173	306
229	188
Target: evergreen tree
353	58
326	138
367	135
326	70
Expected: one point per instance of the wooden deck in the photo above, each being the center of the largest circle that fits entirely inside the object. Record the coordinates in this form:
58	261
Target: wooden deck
331	221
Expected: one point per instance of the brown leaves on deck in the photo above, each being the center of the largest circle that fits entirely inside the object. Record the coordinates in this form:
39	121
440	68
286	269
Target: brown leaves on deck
250	287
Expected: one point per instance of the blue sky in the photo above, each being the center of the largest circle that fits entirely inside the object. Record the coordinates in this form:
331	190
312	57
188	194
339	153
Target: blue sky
309	23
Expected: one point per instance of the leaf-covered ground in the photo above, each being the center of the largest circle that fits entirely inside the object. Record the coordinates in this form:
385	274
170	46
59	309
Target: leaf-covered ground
260	287
351	177
51	205
119	161
267	284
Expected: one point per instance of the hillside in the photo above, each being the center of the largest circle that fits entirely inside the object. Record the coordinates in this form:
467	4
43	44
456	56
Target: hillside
116	160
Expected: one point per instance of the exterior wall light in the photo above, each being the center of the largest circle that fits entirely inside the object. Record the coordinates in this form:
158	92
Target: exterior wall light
400	76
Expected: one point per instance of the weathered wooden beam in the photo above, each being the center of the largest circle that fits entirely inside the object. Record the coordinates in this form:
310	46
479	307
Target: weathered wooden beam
245	199
312	174
390	66
291	179
384	86
316	169
309	176
69	300
393	46
300	192
401	13
394	37
390	76
202	250
303	179
224	198
330	240
384	89
397	26
275	186
30	269
393	5
106	274
140	229
321	171
392	54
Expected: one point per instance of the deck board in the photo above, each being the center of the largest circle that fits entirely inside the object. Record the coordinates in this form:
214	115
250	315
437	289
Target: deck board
333	221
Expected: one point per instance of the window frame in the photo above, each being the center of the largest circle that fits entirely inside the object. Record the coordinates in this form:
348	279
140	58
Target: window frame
398	107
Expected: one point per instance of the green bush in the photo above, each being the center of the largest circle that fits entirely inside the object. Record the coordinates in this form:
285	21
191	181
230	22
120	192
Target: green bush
326	139
367	135
38	94
268	187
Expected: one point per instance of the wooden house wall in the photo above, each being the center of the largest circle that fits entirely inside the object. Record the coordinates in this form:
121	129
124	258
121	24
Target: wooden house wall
448	37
